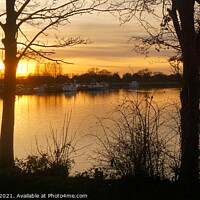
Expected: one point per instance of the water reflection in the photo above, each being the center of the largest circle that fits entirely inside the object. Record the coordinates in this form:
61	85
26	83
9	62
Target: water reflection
70	94
34	114
97	92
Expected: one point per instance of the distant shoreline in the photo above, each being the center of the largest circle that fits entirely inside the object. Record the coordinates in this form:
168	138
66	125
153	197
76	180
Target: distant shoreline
147	85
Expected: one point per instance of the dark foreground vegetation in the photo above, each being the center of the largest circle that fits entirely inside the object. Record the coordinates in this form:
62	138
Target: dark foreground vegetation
136	188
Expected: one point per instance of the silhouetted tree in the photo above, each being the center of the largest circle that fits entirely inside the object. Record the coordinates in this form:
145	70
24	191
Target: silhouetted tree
127	77
179	29
116	77
43	16
145	74
159	76
48	69
104	72
93	70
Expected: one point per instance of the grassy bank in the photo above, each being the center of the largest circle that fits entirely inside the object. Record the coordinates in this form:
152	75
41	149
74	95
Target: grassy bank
122	189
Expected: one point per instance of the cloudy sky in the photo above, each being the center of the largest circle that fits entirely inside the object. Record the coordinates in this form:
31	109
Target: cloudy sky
109	49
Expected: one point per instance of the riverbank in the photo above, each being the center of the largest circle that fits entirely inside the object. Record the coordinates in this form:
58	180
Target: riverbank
143	85
85	188
58	88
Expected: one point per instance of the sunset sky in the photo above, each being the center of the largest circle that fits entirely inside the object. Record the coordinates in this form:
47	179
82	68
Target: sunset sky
109	48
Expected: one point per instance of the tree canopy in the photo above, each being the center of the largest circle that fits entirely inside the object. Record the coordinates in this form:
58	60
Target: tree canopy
42	16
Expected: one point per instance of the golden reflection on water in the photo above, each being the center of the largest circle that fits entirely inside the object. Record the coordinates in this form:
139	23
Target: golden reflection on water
34	114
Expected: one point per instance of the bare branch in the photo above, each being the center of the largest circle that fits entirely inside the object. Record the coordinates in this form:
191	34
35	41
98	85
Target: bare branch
44	55
62	43
2	25
173	14
36	36
23	34
55	19
42	13
23	7
2	14
48	58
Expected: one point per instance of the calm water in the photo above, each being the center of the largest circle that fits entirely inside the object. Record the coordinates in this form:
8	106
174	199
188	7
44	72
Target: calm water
35	114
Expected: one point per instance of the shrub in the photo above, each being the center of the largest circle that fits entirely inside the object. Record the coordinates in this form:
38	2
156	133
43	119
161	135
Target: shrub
54	158
134	141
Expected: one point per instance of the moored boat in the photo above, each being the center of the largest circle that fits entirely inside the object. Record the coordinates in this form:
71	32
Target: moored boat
39	89
97	86
134	85
69	87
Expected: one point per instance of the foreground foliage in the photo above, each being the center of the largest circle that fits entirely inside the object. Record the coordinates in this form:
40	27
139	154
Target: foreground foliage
54	158
121	189
140	139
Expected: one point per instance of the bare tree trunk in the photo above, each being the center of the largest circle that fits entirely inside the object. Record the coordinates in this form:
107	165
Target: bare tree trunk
7	126
189	125
189	94
10	62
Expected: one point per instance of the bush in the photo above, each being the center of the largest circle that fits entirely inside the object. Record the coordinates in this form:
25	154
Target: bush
54	158
41	165
134	142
